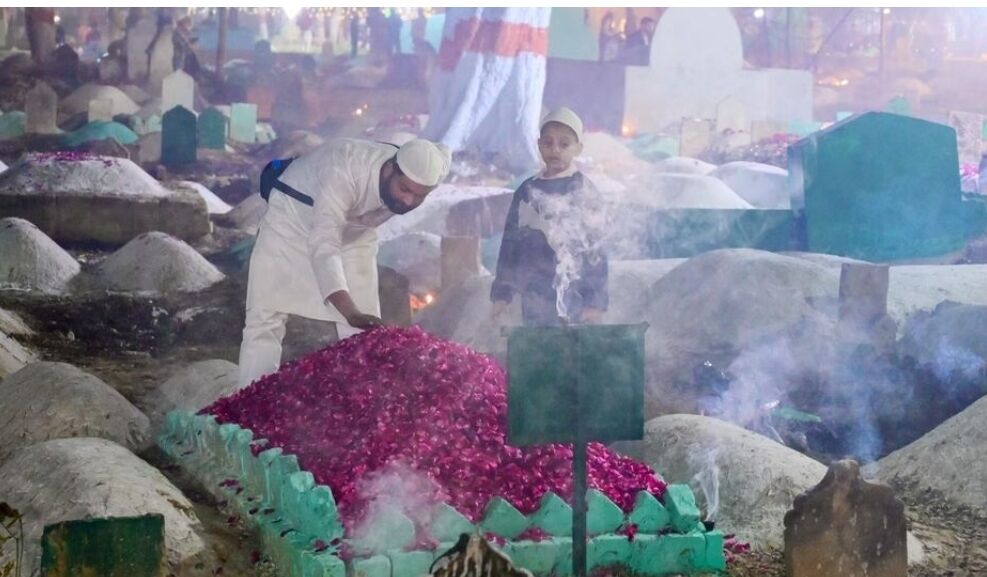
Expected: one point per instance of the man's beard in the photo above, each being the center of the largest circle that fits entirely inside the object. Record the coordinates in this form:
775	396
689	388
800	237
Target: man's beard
393	204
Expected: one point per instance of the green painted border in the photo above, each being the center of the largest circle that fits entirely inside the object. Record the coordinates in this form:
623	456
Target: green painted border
297	519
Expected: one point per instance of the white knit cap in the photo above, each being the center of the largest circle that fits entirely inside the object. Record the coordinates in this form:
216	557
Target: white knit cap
424	162
565	117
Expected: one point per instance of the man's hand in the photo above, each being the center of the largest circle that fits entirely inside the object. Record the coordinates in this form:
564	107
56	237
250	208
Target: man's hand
498	309
364	321
346	307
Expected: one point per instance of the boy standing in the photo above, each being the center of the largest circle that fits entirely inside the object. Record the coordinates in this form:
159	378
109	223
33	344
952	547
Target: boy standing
551	253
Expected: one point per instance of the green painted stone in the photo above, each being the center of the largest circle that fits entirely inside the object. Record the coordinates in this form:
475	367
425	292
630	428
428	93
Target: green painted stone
120	547
410	563
538	557
713	558
389	529
379	566
448	524
554	516
664	554
984	134
212	129
570	37
100	130
178	137
563	557
608	550
243	122
602	515
280	469
324	564
649	514
266	460
882	187
501	518
320	518
681	505
12	124
293	495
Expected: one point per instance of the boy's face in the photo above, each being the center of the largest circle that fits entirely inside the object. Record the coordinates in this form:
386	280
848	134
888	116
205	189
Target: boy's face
558	146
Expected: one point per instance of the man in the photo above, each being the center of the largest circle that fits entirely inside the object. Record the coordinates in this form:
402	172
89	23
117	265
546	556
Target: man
637	49
318	260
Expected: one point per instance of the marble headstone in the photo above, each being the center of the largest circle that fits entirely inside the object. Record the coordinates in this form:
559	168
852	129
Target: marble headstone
177	89
41	107
243	122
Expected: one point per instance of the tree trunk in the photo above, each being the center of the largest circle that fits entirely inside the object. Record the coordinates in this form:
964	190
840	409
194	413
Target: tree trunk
40	32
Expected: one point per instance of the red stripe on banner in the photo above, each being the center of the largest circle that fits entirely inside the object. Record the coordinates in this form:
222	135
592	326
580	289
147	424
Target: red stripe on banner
506	39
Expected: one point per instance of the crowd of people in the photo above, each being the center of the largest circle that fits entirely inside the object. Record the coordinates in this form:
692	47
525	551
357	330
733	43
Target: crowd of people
626	44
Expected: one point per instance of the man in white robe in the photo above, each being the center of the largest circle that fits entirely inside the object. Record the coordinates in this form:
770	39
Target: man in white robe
319	261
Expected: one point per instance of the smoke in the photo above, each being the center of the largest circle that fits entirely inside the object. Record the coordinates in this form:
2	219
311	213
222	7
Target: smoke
575	226
391	492
708	479
950	361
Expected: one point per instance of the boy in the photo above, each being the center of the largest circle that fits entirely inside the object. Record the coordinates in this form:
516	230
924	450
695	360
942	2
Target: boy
551	253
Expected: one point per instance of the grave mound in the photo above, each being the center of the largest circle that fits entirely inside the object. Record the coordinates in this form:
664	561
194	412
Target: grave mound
31	260
155	263
762	185
79	100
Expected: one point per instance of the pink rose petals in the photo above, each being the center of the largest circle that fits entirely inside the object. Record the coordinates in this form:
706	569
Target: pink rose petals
400	395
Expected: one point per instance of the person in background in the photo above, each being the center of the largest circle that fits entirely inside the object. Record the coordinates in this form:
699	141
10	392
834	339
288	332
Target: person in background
394	32
553	233
609	38
637	49
354	34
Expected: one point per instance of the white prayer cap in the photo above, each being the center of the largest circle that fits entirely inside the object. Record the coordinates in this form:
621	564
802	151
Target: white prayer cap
565	117
424	162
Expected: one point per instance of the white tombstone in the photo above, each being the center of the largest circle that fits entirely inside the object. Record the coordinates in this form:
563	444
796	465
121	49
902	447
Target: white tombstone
731	114
41	109
162	60
697	63
177	89
969	136
100	109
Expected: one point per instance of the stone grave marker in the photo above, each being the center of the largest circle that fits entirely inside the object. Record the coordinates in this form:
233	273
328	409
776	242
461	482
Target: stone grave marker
212	129
152	124
695	137
898	105
243	122
41	107
100	109
848	527
177	89
969	135
110	547
149	148
138	39
178	137
731	114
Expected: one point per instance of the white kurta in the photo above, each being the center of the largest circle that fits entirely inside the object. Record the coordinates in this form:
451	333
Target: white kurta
303	254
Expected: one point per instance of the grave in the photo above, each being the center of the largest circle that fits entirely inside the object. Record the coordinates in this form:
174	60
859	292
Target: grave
41	107
100	109
80	198
177	89
881	187
178	137
846	526
211	129
696	63
243	122
113	547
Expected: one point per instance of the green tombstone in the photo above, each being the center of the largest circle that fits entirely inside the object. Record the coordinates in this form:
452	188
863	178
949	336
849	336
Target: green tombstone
882	187
178	137
211	129
575	384
116	547
243	122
